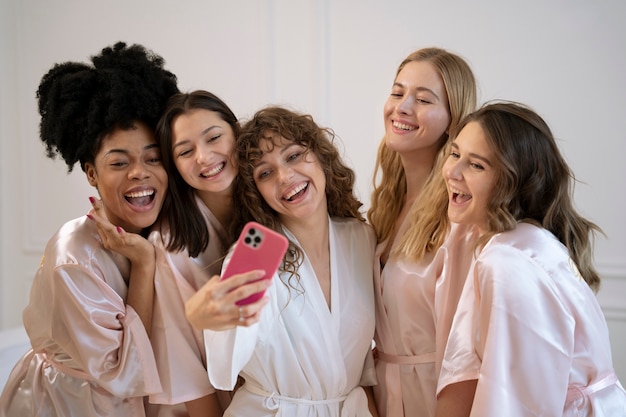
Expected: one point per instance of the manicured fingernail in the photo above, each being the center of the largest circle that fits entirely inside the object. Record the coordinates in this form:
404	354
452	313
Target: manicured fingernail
92	200
119	229
89	216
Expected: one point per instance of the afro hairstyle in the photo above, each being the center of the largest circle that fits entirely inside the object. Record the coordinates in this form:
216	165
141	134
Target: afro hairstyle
80	103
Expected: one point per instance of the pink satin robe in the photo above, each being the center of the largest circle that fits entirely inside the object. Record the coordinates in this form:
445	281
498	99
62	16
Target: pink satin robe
90	355
415	303
530	329
178	347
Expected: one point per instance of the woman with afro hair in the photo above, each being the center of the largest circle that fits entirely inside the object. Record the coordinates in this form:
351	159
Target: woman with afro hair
90	312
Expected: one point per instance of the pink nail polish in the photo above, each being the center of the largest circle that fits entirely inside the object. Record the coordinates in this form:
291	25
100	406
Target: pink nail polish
92	200
90	217
119	229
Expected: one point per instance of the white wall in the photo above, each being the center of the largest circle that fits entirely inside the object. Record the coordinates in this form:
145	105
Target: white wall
335	59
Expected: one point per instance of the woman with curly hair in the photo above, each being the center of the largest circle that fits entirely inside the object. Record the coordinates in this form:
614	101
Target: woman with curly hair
307	353
415	302
529	337
90	312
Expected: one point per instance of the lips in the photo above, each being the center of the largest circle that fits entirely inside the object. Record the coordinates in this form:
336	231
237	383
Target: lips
140	198
459	196
402	126
296	191
213	171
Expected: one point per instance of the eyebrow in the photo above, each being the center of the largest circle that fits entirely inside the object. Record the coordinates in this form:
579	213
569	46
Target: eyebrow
125	151
283	150
473	155
204	132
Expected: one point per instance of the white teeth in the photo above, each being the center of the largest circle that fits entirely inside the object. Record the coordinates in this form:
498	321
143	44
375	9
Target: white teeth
137	194
402	126
455	191
295	191
214	171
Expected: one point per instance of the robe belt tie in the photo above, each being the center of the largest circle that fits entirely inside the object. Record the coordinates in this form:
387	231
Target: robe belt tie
574	392
407	360
272	400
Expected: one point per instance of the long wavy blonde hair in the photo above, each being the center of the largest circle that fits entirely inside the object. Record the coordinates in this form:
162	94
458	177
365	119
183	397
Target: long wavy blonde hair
390	179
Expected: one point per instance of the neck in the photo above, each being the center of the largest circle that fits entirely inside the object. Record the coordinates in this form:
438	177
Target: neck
312	233
220	204
417	168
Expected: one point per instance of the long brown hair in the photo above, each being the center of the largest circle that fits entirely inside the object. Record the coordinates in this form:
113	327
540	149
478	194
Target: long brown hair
534	184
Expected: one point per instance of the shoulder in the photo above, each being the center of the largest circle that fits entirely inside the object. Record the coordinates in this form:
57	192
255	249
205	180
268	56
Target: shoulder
520	260
77	243
527	241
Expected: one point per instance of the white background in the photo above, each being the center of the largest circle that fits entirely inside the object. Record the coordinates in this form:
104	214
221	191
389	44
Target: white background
334	59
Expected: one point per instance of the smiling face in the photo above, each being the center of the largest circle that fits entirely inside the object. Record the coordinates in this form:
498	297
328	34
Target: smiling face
202	146
291	180
470	177
130	178
416	113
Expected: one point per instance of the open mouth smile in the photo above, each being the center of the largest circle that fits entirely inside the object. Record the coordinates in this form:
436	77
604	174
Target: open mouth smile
213	171
296	191
140	198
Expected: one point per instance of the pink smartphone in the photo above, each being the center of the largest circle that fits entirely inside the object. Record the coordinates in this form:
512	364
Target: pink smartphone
258	247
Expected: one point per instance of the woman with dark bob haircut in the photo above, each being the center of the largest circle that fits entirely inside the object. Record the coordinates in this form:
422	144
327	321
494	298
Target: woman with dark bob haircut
307	353
529	337
90	312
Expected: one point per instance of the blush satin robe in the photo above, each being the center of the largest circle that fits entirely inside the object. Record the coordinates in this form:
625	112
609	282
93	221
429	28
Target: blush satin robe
531	331
415	304
178	347
91	356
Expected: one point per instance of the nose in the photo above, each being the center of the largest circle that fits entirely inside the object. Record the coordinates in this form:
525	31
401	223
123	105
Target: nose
452	169
285	174
139	171
405	106
203	156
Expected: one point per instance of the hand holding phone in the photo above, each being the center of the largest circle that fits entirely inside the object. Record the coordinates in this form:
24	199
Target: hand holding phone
258	247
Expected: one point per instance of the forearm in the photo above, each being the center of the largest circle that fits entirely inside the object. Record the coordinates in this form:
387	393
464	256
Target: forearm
371	403
456	399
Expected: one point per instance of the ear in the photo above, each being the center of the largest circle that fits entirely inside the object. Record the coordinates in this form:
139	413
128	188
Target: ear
92	174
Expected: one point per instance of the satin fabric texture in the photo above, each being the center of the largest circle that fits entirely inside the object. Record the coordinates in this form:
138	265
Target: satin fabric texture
415	304
91	355
530	329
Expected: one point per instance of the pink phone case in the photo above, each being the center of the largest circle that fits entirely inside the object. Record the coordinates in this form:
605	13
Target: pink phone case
257	248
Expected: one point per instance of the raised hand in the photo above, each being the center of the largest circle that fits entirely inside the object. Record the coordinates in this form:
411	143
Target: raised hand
213	306
131	245
141	254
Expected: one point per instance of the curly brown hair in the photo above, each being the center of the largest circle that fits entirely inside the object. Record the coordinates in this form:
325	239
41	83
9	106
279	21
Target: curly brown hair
273	123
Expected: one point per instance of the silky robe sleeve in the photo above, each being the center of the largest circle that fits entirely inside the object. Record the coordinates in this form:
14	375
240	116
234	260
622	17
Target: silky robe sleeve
95	332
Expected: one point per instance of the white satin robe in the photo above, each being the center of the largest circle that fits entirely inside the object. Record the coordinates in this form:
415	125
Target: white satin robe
415	304
91	356
302	359
178	347
530	329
